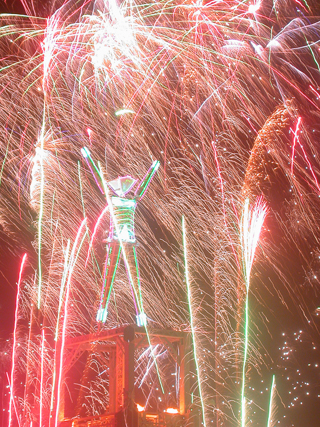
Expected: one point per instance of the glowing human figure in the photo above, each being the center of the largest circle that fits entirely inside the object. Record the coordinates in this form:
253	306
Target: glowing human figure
121	237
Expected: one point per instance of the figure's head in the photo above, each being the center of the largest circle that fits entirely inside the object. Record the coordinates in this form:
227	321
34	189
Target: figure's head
122	185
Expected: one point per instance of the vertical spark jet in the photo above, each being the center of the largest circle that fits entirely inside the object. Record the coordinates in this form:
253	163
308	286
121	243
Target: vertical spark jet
250	228
11	401
59	372
271	401
48	47
191	318
41	379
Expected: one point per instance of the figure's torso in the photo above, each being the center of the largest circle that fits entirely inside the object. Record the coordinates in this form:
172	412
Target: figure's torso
122	220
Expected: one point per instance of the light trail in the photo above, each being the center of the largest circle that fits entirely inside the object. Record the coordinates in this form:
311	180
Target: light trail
63	282
271	401
95	231
250	228
13	402
65	318
189	295
14	345
294	142
41	379
48	47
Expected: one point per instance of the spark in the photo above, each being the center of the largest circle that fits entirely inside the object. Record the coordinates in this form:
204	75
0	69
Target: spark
250	229
296	137
14	345
41	378
271	401
48	47
95	231
191	318
123	111
73	258
63	281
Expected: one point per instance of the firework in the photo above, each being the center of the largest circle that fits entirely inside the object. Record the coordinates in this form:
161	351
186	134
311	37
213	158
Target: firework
218	93
191	318
271	401
251	224
11	383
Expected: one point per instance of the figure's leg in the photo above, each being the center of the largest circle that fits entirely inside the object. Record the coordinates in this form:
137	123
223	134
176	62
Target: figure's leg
111	265
141	318
132	267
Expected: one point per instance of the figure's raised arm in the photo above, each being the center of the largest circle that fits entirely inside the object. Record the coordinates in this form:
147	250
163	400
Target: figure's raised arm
93	168
142	187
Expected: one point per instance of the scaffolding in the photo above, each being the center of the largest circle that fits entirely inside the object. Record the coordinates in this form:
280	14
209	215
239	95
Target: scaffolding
117	347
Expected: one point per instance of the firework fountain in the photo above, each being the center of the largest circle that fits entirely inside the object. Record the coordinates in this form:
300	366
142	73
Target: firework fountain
225	95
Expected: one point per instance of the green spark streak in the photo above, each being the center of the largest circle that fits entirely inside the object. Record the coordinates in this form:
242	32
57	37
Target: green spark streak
191	316
313	55
271	399
146	182
246	329
98	171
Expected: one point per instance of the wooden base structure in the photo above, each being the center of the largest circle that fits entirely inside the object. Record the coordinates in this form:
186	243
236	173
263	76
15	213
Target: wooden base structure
120	344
